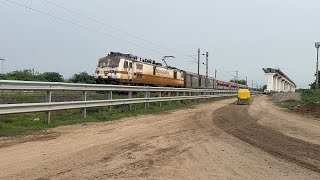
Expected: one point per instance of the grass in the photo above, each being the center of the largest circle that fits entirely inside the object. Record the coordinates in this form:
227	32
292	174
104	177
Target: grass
310	96
307	97
289	104
19	124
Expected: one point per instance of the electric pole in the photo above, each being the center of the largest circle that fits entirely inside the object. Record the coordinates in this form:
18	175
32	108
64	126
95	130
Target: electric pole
198	62
2	60
317	65
215	74
237	73
199	83
207	68
252	84
246	80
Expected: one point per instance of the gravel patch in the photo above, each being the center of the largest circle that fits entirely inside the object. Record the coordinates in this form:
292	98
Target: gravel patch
281	97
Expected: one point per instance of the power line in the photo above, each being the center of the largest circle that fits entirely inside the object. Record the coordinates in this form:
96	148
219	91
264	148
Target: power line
81	26
112	27
96	31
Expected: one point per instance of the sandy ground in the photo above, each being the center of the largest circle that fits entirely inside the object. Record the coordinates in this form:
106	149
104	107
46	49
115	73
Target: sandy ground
280	97
220	140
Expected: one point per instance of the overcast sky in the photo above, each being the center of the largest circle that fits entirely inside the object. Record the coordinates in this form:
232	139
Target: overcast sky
243	35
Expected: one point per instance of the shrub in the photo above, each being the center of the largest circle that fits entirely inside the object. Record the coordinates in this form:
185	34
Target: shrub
83	77
310	96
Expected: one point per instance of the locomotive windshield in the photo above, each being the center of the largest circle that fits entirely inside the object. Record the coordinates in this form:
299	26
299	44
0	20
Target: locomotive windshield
112	63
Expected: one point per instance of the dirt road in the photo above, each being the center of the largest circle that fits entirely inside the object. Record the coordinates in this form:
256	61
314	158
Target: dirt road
211	141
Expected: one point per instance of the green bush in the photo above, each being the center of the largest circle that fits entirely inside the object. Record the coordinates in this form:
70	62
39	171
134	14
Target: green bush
22	75
82	78
31	75
310	96
51	77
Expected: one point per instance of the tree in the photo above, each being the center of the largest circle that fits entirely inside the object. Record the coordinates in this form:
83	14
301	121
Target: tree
82	77
22	75
31	75
51	77
3	77
264	87
313	85
242	81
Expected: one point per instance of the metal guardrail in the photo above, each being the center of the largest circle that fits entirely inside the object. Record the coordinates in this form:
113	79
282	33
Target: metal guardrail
48	107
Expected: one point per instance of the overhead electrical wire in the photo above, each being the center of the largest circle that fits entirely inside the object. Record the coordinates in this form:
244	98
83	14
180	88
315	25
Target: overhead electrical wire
100	32
96	31
112	27
82	26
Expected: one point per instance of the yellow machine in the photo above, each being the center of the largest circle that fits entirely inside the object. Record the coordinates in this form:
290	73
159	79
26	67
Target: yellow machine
243	96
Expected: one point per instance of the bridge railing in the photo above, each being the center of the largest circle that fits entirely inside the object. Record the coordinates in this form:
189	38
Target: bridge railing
164	94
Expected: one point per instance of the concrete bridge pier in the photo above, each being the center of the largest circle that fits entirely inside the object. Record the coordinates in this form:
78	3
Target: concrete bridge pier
277	81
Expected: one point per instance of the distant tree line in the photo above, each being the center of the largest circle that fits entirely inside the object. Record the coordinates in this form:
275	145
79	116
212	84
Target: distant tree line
31	75
241	81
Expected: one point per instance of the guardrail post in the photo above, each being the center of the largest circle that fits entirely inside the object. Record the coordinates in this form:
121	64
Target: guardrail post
160	94
169	95
147	104
148	98
178	94
84	110
190	94
110	98
207	95
130	97
202	99
197	94
48	113
184	94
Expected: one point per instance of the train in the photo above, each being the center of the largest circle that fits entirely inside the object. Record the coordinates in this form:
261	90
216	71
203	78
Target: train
126	69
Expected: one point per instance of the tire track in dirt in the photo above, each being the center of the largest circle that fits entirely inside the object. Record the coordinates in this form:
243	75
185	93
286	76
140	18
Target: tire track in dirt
235	120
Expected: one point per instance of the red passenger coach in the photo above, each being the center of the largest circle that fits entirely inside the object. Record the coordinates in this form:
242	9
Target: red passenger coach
229	85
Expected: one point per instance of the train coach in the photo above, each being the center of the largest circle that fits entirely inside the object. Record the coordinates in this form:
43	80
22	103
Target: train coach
126	69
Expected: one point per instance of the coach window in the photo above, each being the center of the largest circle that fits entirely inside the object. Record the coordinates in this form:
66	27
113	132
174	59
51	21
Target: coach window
125	64
139	66
130	65
175	75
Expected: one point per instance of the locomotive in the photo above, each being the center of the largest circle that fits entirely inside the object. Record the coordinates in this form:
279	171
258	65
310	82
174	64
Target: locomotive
126	69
